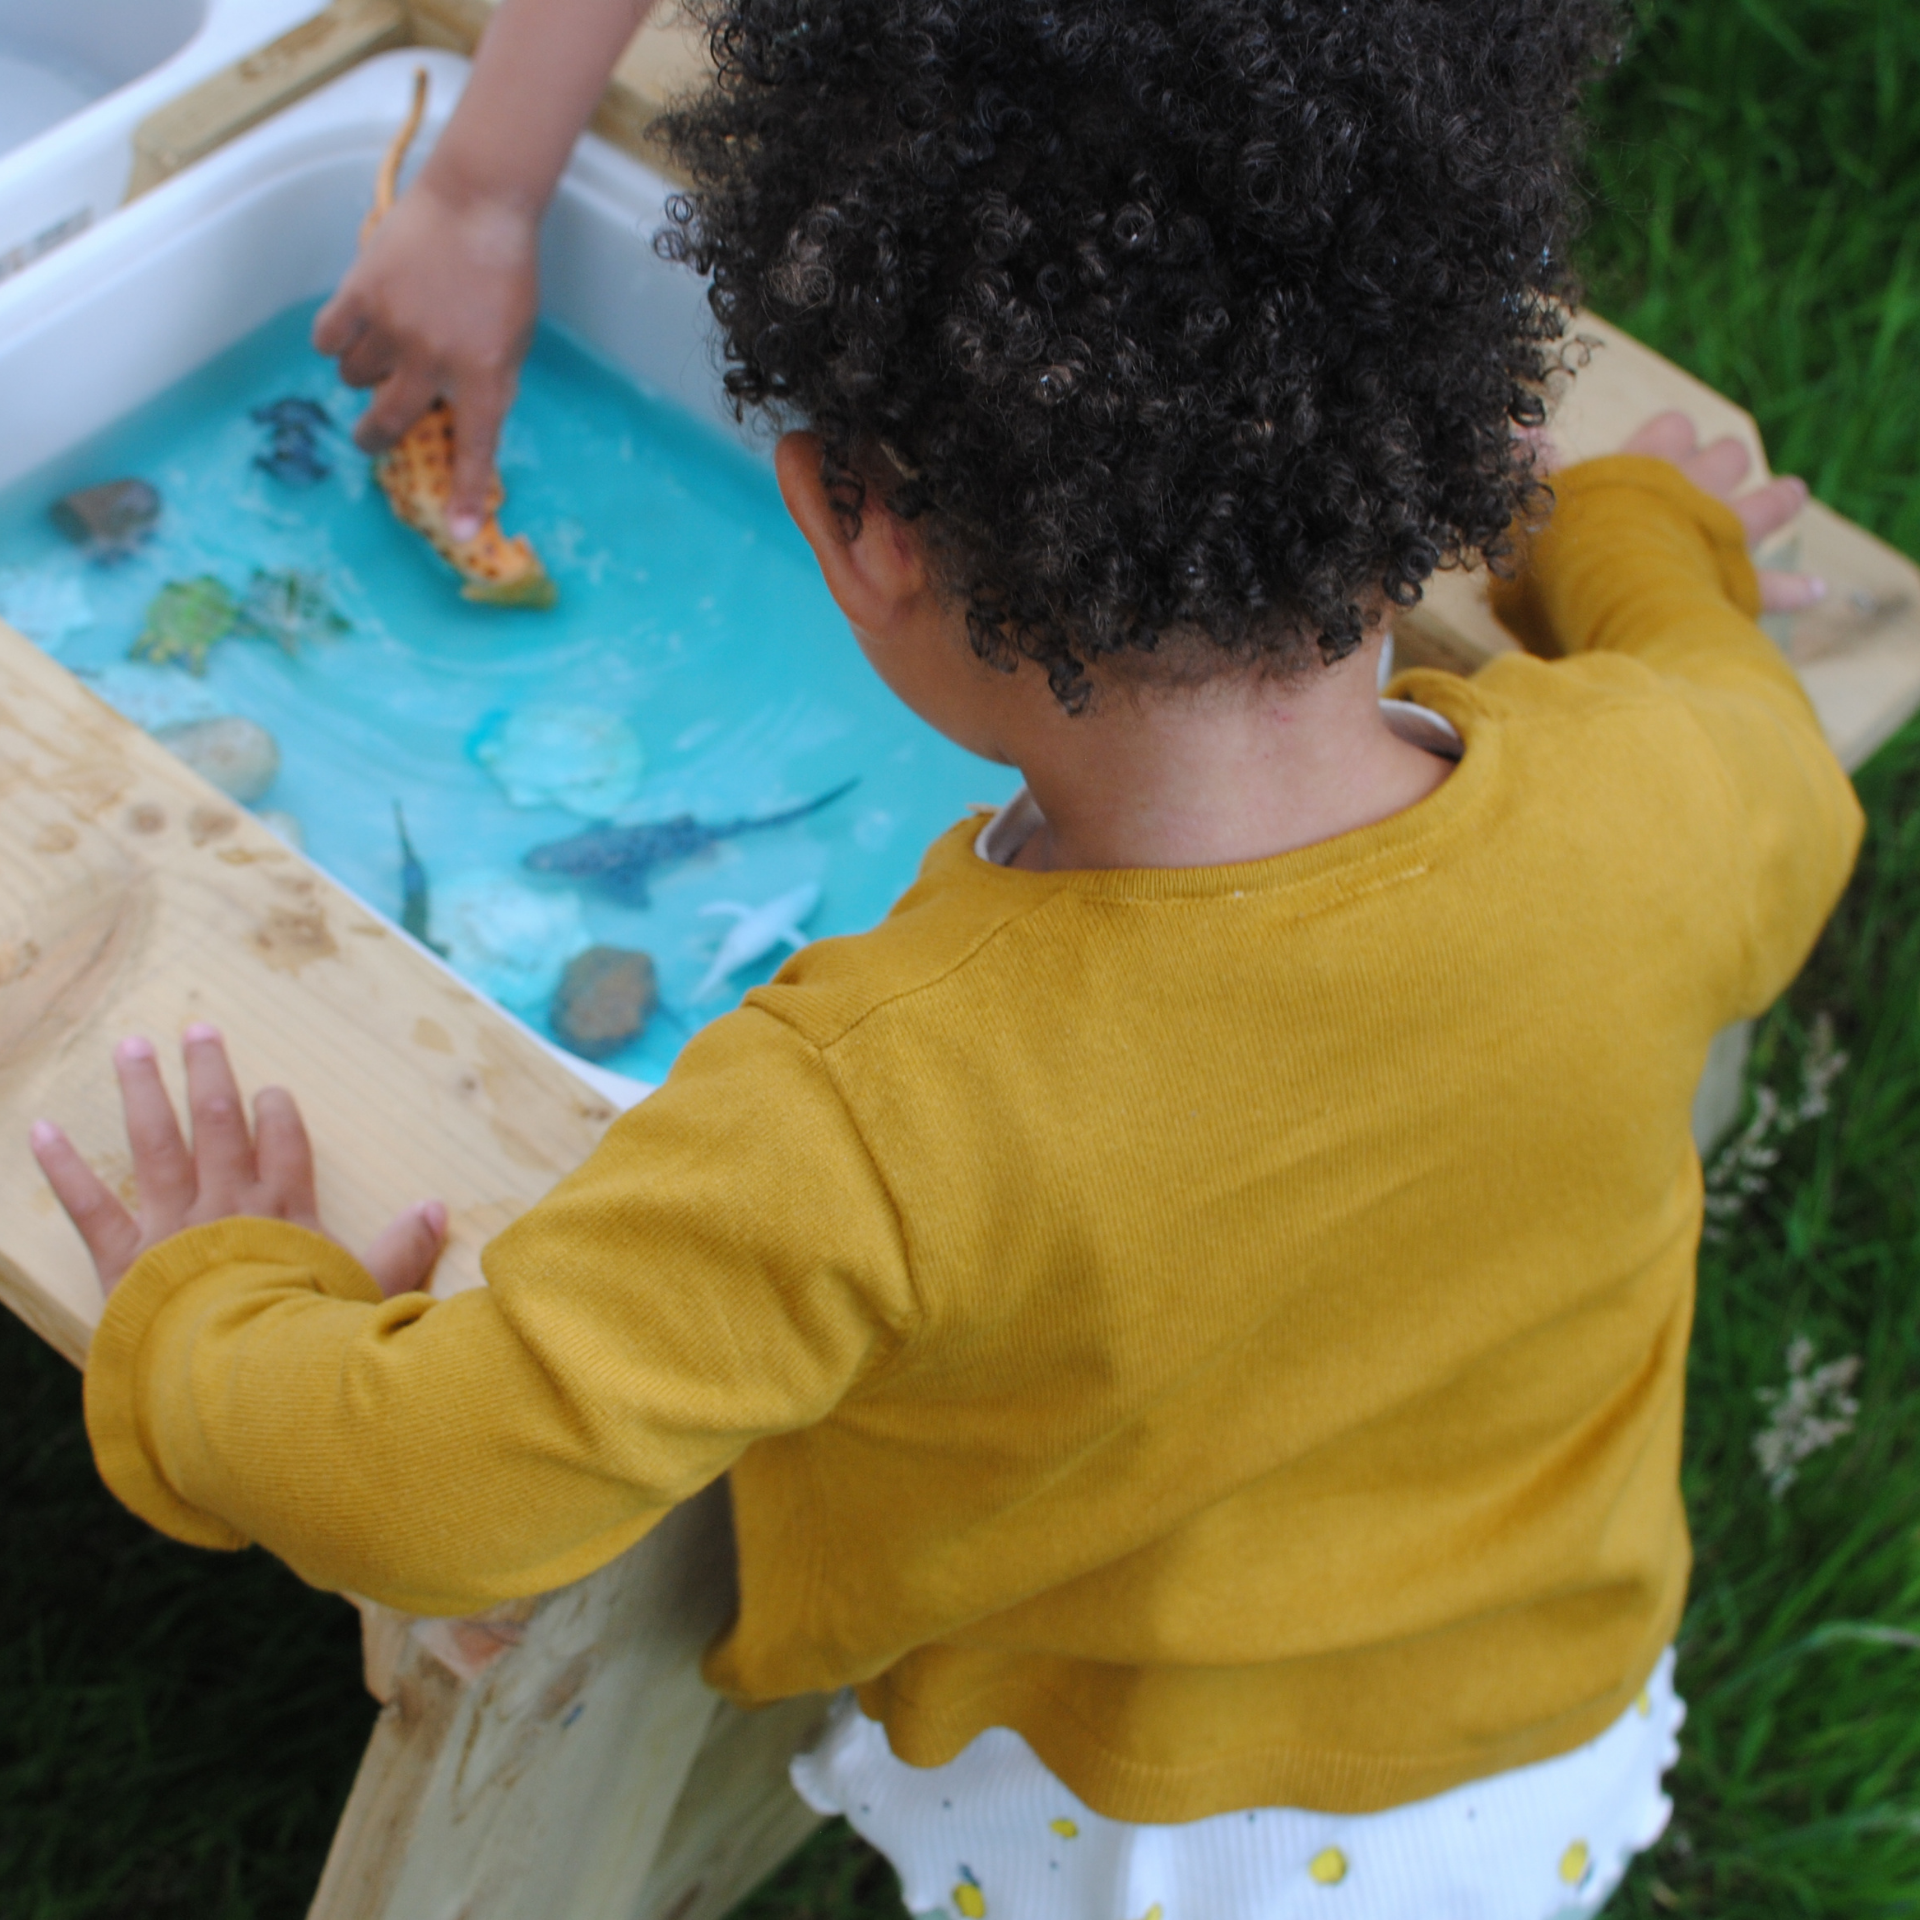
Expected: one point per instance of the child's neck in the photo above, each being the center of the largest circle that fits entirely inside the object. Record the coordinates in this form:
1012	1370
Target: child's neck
1236	770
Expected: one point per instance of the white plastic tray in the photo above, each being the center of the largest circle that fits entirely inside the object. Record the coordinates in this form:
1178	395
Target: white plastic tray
78	76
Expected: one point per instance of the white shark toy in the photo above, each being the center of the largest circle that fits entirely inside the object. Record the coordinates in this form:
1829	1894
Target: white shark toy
755	932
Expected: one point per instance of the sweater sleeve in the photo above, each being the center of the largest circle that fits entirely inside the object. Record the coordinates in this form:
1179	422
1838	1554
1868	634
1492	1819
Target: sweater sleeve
724	1267
1636	561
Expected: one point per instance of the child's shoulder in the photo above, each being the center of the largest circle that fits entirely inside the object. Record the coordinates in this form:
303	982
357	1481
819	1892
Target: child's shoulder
937	929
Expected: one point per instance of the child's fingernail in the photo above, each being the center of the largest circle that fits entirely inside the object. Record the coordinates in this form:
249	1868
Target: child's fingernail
200	1031
434	1213
135	1047
463	526
43	1133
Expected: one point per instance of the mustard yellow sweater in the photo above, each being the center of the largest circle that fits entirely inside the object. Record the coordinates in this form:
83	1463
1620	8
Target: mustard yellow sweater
1227	1324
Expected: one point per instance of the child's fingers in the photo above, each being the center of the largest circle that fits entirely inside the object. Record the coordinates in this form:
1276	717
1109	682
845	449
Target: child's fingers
163	1169
477	414
1790	592
1767	509
1718	469
1667	436
401	400
111	1235
340	323
284	1156
401	1259
222	1147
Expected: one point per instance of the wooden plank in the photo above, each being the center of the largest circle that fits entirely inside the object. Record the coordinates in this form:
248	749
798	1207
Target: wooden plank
136	898
274	76
665	59
738	1816
543	1783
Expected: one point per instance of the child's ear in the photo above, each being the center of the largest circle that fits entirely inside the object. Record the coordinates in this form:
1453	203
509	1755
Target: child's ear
879	576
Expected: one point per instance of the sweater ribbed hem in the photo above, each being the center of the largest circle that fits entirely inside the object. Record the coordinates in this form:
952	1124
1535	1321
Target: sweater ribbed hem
1320	1779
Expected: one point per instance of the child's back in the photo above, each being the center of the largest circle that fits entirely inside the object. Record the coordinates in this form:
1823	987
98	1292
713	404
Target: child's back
1204	1286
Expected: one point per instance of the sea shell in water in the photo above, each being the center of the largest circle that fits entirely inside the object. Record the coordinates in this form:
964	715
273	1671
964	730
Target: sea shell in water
574	757
510	940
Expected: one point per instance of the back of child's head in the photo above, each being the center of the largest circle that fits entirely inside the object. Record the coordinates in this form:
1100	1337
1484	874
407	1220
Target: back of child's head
1182	327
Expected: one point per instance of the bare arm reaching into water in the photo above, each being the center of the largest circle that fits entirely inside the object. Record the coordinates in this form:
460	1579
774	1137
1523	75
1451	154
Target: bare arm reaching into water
442	299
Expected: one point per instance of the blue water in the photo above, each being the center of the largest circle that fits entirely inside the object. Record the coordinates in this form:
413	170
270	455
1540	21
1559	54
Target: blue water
694	664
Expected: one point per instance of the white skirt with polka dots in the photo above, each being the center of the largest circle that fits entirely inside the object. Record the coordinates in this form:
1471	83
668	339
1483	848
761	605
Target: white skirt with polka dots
993	1835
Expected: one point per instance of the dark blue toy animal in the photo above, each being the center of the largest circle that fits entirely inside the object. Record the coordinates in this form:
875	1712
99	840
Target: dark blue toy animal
618	860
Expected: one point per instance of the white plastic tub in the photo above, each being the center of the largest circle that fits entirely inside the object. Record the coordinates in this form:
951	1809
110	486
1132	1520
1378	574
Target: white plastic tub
78	76
132	306
125	310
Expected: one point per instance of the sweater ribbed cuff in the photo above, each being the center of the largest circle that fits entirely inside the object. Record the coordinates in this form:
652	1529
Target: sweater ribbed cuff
238	1253
1669	498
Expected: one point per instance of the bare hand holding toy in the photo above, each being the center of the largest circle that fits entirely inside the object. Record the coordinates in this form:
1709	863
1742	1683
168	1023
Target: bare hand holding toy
228	1170
442	300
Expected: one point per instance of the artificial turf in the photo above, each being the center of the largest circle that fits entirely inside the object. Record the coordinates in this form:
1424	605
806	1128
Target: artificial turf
178	1730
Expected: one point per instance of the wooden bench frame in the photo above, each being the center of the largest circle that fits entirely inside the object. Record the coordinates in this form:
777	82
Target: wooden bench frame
561	1757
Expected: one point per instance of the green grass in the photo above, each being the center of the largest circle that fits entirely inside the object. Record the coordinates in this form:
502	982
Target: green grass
178	1730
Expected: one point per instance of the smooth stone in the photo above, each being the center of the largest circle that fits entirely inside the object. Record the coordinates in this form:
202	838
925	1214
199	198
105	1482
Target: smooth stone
114	514
238	756
603	1001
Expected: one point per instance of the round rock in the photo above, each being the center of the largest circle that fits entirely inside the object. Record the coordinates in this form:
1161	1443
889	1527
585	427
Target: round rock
238	756
604	1000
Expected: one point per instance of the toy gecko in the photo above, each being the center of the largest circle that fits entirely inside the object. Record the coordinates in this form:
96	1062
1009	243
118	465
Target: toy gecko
417	474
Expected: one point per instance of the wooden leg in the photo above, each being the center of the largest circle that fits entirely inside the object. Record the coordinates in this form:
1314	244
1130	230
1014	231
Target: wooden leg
544	1784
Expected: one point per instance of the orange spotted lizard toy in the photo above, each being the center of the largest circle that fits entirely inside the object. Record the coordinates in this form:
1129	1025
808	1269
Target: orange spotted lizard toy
417	474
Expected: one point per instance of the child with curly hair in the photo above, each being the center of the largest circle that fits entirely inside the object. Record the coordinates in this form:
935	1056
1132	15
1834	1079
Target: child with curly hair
1194	1306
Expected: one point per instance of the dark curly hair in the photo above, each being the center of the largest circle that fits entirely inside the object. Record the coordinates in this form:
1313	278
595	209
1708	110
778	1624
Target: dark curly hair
1184	326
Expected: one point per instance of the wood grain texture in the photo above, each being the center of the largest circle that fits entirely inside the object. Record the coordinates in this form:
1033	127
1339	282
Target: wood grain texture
240	96
135	898
738	1816
544	1783
666	58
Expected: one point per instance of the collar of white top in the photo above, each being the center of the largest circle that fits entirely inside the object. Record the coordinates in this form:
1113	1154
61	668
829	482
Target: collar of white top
1007	831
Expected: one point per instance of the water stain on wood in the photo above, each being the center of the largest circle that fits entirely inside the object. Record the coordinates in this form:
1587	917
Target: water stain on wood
209	823
288	939
432	1035
145	818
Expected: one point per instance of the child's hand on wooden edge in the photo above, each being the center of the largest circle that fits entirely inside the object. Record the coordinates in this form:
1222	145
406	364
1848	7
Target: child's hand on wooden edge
228	1170
1719	470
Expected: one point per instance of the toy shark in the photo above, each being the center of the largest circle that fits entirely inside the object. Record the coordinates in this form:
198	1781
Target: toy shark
619	859
755	932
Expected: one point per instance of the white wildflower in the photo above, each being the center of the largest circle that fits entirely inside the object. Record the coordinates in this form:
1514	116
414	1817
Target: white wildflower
1820	1066
1739	1169
1811	1412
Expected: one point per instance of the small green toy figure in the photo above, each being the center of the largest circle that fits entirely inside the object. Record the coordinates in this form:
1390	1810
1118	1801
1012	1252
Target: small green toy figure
184	621
289	609
188	617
